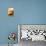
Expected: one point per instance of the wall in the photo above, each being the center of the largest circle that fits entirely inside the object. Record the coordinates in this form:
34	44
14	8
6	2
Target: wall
27	12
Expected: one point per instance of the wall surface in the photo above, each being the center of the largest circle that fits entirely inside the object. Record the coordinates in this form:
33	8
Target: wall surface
27	12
